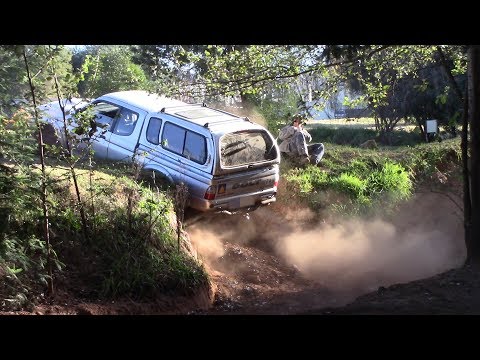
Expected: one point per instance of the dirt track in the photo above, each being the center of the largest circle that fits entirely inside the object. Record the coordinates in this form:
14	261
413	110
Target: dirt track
287	261
272	263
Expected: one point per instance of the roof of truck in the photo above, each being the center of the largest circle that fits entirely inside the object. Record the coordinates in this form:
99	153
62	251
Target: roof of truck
196	113
144	100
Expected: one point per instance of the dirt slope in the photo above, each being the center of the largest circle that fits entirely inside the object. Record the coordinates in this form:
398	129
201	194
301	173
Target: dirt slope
286	261
272	263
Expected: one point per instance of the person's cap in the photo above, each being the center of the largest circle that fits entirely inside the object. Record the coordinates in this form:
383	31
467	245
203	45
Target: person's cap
298	118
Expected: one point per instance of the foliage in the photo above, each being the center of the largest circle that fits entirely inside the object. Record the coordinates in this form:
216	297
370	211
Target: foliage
387	78
423	160
307	179
390	79
14	91
409	81
23	256
350	184
368	179
391	180
12	84
132	254
278	111
112	70
202	72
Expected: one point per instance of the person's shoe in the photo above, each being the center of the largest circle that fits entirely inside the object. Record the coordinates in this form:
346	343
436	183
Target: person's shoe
314	160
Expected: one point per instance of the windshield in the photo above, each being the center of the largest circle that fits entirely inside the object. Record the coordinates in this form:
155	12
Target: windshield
247	147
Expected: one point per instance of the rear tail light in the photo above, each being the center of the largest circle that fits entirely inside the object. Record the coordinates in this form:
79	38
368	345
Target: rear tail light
275	184
210	193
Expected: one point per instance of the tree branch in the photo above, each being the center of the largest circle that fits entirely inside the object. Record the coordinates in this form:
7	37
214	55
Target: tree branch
449	73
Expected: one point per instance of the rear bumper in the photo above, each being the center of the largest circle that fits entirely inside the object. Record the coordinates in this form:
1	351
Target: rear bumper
235	203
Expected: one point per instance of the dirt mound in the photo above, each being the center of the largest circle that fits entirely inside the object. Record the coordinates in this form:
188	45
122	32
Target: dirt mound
456	291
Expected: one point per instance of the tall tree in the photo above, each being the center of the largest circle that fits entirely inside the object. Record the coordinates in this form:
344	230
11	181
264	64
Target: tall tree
473	242
113	70
41	148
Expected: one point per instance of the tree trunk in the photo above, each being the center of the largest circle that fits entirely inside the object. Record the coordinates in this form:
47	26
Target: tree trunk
467	209
474	122
71	161
43	194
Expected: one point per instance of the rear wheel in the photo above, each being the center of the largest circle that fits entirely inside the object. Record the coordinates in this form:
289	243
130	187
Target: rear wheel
157	180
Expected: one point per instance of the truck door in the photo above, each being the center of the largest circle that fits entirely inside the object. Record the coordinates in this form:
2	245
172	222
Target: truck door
124	136
104	114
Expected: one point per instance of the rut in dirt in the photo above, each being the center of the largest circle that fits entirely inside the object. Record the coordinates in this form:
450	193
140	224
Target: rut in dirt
278	261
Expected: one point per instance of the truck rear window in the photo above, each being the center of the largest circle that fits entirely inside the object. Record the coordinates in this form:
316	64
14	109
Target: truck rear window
242	148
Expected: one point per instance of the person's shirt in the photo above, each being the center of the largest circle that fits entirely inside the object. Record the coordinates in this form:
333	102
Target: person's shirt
287	133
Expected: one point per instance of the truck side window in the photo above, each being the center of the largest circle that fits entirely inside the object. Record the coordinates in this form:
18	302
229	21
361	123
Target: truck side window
183	142
195	147
125	122
104	114
173	138
153	130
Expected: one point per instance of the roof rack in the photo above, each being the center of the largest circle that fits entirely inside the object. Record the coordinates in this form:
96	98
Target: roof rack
176	106
207	124
203	104
228	113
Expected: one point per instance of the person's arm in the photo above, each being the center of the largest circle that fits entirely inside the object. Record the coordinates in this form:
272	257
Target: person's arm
307	135
286	132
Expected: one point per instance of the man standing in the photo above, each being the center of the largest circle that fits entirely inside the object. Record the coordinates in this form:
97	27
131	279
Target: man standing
294	143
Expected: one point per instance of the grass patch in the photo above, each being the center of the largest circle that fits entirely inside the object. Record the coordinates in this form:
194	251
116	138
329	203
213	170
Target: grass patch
354	181
133	241
353	136
354	132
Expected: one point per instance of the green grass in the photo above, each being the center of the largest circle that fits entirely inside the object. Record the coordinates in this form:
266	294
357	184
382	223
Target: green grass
355	181
354	132
361	122
135	250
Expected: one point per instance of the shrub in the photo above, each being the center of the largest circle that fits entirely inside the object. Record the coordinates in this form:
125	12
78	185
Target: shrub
351	185
391	179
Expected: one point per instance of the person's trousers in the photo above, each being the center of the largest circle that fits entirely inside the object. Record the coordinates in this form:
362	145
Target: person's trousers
316	152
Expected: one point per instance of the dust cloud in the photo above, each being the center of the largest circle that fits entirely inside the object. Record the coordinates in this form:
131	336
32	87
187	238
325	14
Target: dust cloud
207	245
209	237
252	114
365	255
423	239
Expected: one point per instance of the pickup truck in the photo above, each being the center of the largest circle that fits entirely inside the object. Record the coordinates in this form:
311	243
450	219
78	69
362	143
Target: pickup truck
227	162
